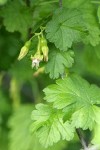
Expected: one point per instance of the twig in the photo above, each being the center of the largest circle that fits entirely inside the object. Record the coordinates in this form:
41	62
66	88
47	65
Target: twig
83	142
60	3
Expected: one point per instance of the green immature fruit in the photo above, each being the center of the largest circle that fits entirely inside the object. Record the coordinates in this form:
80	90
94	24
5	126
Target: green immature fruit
44	48
24	50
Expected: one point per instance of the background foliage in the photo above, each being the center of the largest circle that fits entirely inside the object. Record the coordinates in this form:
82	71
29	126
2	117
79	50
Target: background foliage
73	36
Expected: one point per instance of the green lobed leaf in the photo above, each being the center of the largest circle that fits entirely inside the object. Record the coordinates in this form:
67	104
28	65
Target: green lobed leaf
65	28
49	125
17	17
88	12
87	117
20	136
92	26
71	25
78	94
58	62
90	19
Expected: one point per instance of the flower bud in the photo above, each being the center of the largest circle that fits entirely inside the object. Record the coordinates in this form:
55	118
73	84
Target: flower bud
43	41
28	43
24	50
45	51
44	48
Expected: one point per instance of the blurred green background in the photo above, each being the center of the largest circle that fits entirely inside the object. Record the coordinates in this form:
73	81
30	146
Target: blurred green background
19	89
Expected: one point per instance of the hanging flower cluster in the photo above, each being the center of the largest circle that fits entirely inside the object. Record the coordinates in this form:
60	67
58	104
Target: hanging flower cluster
41	53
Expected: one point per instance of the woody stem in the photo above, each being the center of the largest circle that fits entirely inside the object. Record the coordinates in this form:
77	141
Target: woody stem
82	140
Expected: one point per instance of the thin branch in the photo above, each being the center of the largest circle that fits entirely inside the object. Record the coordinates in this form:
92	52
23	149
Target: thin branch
83	142
60	3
